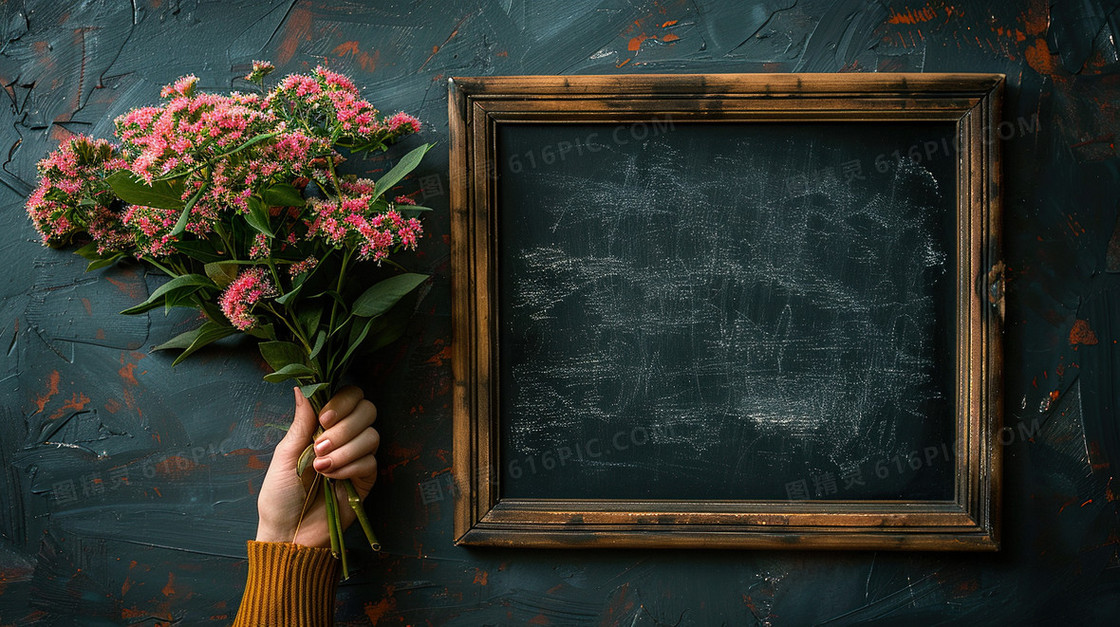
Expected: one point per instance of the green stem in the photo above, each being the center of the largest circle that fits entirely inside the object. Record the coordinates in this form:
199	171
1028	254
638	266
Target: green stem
214	159
334	179
161	267
339	532
225	240
334	310
294	328
360	512
332	517
272	269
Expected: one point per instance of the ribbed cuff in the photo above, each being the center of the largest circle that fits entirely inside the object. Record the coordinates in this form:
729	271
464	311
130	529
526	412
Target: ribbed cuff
288	585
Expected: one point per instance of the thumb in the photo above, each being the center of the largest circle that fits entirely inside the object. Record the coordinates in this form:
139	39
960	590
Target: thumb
303	426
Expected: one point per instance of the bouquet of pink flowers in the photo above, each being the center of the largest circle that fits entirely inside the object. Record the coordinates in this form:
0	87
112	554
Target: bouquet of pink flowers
238	199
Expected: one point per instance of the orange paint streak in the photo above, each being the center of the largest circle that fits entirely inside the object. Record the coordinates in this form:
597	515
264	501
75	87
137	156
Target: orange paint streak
346	47
623	63
169	589
1082	333
669	23
127	372
129	612
77	402
375	612
52	389
911	16
439	358
670	37
88	305
1039	58
297	29
131	290
401	453
482	577
636	42
366	61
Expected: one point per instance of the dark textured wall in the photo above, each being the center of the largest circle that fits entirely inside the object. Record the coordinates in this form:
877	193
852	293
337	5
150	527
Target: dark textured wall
127	489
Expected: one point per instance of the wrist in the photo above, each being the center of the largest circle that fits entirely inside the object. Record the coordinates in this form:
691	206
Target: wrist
272	533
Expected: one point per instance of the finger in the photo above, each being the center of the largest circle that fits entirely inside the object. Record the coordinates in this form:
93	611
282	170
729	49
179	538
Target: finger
302	427
363	468
363	444
344	430
340	405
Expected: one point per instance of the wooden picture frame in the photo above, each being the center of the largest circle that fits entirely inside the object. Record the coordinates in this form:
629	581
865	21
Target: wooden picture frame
968	520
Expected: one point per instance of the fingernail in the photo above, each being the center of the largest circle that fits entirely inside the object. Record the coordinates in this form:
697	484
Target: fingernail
299	396
328	417
322	447
322	463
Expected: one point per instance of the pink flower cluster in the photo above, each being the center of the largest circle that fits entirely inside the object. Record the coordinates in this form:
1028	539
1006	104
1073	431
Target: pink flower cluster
192	135
151	228
299	267
363	221
70	175
260	70
189	130
228	154
332	100
246	291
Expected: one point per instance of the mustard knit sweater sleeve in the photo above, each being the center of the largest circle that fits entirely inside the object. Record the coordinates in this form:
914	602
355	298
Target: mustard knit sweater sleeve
289	585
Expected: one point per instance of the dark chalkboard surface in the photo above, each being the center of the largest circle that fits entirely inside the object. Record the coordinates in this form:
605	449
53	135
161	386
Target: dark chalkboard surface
739	310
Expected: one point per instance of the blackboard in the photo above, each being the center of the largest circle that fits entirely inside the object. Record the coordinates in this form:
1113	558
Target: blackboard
727	310
722	311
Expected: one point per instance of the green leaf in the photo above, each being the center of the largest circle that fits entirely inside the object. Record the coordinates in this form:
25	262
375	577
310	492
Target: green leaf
258	217
407	164
181	223
356	340
198	249
263	331
309	317
283	195
291	371
179	298
310	390
103	262
280	354
221	272
305	459
320	341
403	207
134	191
254	140
191	282
382	296
183	340
288	298
391	333
191	341
89	251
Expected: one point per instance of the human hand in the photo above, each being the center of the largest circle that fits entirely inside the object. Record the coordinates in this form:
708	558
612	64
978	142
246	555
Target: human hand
345	450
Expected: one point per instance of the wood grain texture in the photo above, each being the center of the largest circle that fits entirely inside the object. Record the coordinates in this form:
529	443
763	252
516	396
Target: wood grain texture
479	106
